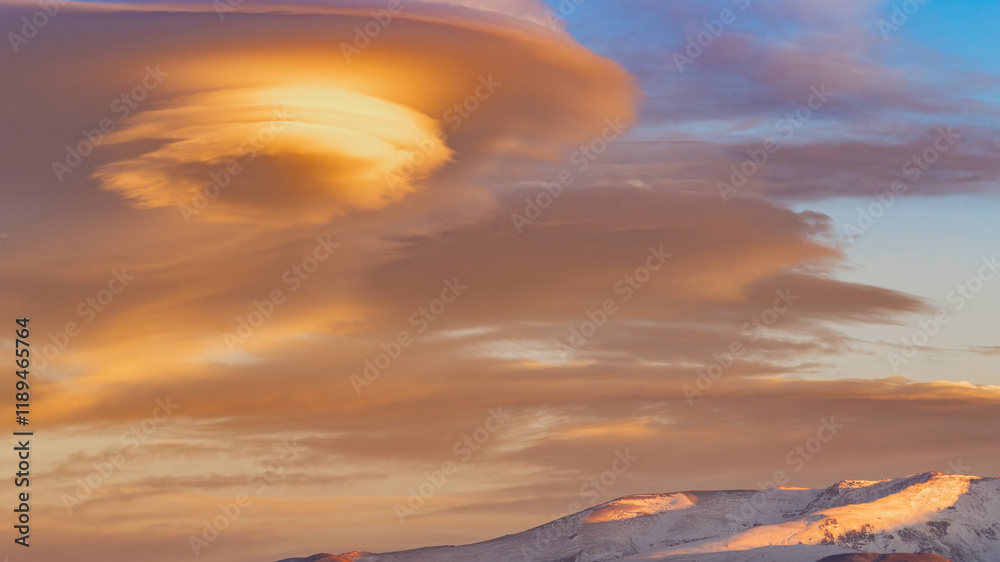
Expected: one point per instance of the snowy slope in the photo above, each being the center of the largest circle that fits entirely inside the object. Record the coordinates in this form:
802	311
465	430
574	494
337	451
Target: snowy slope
954	516
884	558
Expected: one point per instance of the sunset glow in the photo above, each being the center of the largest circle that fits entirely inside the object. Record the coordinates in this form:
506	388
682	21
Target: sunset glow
422	272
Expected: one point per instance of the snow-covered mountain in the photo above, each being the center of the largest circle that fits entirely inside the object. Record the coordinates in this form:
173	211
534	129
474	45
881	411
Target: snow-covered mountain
951	516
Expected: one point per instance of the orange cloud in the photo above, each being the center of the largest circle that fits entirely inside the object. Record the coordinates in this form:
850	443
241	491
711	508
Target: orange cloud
281	114
324	148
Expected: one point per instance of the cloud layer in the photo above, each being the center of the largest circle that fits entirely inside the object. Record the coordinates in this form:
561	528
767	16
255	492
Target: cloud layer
297	230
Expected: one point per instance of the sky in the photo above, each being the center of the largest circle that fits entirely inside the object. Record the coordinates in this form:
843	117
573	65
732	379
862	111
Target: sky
343	275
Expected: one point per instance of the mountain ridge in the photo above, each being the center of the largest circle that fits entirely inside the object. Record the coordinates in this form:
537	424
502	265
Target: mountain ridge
956	517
